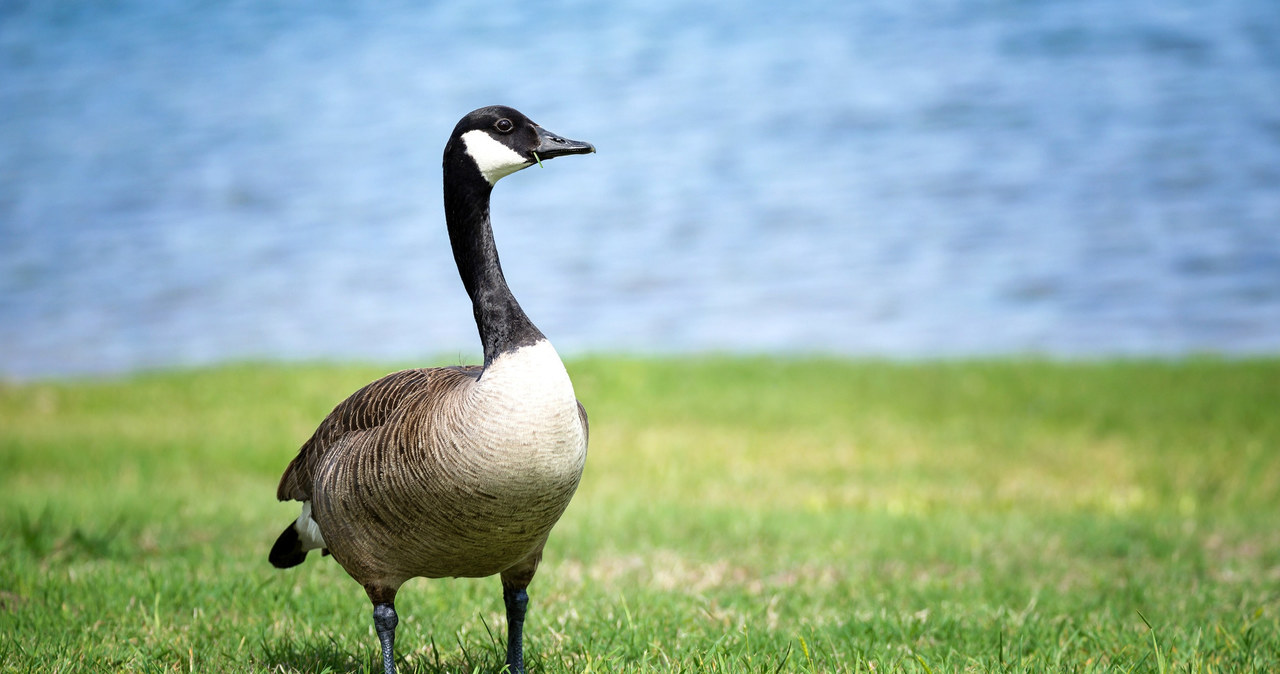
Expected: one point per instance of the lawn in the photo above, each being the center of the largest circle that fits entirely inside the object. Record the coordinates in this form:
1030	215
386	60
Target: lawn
736	515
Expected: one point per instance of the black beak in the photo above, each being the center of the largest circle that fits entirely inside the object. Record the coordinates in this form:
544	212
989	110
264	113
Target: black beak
551	145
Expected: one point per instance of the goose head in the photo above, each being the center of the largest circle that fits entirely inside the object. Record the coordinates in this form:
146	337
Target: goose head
499	141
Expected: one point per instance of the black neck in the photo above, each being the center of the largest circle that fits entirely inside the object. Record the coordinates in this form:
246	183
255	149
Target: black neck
503	324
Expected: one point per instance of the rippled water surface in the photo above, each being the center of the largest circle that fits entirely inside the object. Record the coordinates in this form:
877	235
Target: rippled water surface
184	185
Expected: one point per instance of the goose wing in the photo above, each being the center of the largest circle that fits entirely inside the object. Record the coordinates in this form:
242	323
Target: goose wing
366	409
582	416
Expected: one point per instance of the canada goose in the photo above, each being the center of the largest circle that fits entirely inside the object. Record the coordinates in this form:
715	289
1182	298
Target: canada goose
451	471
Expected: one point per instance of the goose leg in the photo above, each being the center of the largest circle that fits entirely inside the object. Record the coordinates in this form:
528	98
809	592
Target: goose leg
385	621
517	600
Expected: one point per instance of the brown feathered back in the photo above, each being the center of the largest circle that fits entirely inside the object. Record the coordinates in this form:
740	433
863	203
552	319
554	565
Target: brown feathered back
366	409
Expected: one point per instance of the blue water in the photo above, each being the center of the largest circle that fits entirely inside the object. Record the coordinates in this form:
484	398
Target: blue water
189	183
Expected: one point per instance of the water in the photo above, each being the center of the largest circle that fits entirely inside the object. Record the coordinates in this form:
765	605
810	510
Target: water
193	184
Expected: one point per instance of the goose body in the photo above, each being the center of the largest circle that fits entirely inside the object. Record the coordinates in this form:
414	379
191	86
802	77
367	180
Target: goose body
452	471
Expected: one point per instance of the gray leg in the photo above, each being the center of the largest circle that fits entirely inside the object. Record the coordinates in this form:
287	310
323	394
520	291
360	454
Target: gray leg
517	600
385	621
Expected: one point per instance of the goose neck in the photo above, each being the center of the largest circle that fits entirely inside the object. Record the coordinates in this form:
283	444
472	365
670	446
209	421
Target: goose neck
502	323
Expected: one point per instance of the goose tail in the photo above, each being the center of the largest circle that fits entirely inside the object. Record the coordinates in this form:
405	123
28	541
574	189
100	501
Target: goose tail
297	539
288	549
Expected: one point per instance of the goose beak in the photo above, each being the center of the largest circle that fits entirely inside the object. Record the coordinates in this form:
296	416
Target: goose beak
551	145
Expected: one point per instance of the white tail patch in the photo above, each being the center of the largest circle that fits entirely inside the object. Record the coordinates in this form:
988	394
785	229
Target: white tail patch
308	530
494	159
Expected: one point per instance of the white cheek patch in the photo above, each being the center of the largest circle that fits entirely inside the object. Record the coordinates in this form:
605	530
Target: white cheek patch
494	159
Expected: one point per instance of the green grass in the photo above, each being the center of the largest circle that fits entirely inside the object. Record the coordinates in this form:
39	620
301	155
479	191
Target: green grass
737	515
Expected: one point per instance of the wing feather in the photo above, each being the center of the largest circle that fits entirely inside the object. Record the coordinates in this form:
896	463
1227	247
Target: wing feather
362	411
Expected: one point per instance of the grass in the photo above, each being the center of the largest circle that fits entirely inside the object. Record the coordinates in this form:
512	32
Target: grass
737	515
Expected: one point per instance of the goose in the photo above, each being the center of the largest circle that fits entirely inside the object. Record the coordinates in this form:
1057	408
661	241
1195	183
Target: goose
457	471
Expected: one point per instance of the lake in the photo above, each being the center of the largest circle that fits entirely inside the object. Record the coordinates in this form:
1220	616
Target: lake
187	183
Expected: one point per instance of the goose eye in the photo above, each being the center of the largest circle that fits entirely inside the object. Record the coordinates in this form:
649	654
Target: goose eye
504	125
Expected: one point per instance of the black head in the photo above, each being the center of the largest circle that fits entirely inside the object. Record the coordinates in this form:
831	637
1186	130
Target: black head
500	141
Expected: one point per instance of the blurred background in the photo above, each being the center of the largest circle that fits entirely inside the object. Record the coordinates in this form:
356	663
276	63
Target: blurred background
189	183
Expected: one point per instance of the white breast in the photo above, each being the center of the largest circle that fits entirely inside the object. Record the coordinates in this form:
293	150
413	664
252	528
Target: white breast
525	418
